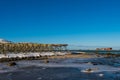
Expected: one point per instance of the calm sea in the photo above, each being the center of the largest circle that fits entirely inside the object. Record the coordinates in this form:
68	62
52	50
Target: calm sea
95	51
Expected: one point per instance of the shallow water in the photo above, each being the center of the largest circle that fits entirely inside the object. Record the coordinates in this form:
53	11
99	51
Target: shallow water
63	69
40	73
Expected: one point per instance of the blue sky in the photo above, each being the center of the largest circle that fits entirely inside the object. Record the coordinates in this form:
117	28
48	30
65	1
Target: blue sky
75	22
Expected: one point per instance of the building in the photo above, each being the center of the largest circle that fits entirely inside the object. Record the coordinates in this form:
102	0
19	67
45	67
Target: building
5	41
107	49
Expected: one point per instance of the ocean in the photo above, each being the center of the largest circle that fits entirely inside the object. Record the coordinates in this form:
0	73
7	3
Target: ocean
97	51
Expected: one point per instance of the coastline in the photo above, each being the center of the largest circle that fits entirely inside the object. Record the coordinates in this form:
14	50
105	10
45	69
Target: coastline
83	61
72	66
74	56
41	56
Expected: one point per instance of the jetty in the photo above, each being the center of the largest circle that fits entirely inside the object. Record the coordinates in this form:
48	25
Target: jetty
10	51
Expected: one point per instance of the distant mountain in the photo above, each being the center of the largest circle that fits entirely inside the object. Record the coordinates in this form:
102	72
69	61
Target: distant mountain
5	41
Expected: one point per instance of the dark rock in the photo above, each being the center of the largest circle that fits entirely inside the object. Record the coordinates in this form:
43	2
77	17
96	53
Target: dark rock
12	64
46	61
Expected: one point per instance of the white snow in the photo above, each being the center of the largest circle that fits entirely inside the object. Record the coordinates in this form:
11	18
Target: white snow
4	41
13	55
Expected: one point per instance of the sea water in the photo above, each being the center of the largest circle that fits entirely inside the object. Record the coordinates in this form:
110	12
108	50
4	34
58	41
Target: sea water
39	73
64	69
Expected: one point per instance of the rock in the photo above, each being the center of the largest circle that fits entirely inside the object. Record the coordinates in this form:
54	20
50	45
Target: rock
46	61
12	64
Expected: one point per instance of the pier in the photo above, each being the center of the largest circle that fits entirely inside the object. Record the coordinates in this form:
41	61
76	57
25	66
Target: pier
30	47
30	51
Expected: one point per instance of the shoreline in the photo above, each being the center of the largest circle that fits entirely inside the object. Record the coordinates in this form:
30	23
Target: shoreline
42	56
49	55
80	61
76	62
75	56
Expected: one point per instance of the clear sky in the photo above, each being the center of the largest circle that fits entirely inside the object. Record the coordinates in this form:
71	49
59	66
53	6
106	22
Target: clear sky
76	22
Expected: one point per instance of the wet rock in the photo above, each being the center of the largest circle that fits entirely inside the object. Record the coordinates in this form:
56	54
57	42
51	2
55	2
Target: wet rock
11	64
46	61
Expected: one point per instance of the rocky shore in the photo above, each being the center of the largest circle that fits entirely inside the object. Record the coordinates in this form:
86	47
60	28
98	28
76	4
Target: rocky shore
73	67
